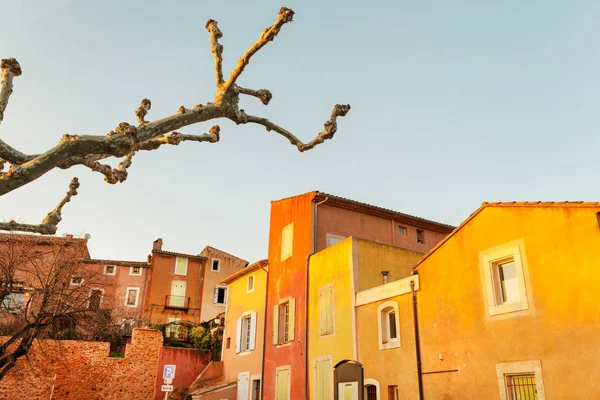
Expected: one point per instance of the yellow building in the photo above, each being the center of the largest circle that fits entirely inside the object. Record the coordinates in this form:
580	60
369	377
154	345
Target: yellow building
507	309
335	275
239	374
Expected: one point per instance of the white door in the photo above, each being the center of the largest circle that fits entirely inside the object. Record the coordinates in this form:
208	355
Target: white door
177	294
348	391
242	386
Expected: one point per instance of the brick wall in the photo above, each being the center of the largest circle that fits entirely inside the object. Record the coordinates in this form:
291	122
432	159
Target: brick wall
85	372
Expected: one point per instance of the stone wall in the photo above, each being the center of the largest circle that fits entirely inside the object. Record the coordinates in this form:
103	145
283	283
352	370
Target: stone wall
84	371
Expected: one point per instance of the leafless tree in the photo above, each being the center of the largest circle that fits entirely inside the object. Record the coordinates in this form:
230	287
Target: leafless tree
127	139
45	290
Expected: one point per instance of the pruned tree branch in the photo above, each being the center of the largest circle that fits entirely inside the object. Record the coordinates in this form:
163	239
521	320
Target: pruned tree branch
126	139
50	224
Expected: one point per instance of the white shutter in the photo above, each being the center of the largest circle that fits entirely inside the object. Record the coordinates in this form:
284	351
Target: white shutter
292	318
329	305
215	295
322	311
252	331
276	324
238	336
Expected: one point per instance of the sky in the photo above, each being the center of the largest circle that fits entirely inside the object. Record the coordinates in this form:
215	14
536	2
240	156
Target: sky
453	103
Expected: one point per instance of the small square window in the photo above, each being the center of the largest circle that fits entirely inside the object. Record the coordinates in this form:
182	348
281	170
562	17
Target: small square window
220	295
402	230
287	241
181	265
333	239
520	380
228	343
216	265
250	285
420	236
76	281
109	270
135	271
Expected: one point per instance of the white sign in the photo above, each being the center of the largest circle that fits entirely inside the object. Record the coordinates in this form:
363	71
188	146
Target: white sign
166	388
168	381
169	372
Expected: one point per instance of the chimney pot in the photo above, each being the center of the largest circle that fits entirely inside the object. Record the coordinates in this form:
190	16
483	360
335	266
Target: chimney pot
157	244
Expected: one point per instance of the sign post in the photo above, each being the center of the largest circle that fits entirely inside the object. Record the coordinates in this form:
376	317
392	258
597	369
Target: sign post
168	376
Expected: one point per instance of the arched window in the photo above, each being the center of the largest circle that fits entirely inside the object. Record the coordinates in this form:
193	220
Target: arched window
372	389
389	325
371	392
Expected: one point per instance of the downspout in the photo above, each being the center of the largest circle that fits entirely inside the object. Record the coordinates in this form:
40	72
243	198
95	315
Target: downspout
315	228
417	341
307	387
262	367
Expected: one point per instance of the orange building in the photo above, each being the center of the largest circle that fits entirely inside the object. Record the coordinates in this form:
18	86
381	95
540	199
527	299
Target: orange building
302	225
507	309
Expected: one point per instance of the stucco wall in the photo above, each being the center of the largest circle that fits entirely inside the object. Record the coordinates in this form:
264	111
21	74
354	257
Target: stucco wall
189	364
239	303
562	251
85	372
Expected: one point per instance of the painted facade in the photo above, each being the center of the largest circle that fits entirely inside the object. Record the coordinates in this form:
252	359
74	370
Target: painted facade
219	266
302	225
336	274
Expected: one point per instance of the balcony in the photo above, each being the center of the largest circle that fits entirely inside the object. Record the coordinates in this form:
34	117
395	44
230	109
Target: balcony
177	302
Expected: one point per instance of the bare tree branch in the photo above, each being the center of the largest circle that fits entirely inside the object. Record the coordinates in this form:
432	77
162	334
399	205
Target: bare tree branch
126	139
50	224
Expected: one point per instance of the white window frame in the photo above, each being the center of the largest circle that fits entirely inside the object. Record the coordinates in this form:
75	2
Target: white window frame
90	297
283	368
212	262
287	241
71	283
330	236
137	296
487	259
186	266
250	289
252	316
504	370
257	377
224	297
374	382
331	383
381	325
114	270
131	269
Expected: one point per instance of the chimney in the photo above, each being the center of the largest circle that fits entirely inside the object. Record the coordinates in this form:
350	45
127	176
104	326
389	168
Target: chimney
385	275
68	236
157	244
598	218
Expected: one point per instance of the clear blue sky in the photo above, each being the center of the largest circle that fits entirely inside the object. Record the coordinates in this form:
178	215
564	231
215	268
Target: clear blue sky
453	103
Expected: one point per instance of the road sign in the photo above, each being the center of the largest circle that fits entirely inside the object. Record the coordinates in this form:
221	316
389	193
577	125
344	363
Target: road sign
169	372
168	381
166	388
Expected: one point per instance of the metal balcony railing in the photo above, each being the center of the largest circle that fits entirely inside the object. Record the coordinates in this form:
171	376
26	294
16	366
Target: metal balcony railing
178	302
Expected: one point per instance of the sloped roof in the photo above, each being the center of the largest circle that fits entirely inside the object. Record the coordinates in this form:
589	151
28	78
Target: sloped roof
250	268
172	253
224	252
123	263
539	204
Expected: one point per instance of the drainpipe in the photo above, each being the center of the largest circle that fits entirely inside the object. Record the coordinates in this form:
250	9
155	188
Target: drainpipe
315	229
417	341
265	335
307	388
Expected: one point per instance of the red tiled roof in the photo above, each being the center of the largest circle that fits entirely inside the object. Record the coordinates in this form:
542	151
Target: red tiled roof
143	264
172	253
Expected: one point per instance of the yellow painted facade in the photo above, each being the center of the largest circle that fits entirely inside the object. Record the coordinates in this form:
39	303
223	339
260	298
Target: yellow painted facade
341	270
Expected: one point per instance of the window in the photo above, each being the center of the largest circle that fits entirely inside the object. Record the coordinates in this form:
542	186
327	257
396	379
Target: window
333	239
131	297
181	264
137	271
282	383
326	309
13	302
503	271
250	284
402	230
76	281
393	392
284	321
255	395
110	270
323	378
420	236
220	295
388	324
215	265
228	343
246	333
95	299
371	392
173	327
287	241
127	325
520	380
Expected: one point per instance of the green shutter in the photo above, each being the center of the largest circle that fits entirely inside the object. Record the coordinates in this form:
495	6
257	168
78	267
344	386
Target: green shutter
276	324
292	318
283	384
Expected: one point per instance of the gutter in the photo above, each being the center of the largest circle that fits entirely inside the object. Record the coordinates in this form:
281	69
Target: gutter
417	339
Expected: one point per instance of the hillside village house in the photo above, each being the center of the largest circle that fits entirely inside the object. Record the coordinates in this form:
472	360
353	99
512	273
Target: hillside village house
302	225
240	372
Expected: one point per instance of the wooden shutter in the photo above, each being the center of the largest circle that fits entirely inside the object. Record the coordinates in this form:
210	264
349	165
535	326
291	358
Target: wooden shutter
322	311
238	336
283	384
292	318
181	266
329	305
323	380
276	324
215	295
252	331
